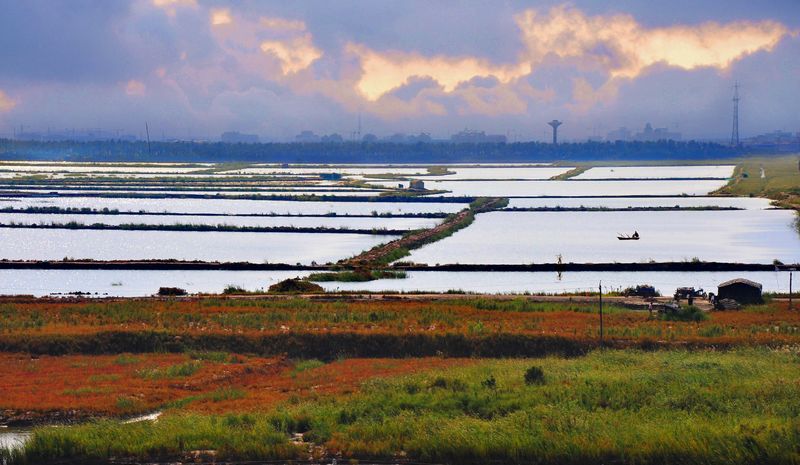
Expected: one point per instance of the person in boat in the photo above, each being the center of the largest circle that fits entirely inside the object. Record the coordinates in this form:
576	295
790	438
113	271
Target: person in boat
635	235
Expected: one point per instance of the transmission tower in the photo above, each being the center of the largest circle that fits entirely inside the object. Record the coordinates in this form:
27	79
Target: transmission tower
735	130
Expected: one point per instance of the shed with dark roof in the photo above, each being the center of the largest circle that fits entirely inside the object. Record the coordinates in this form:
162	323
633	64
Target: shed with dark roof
741	290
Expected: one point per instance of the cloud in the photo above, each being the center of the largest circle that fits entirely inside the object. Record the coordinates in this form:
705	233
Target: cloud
585	96
624	48
384	71
217	65
135	88
283	24
295	54
6	104
171	6
220	17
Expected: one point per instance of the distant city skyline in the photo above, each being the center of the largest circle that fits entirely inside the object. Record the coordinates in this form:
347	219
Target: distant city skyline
195	69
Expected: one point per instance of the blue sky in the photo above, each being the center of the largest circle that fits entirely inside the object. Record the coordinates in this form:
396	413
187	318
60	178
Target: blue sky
194	68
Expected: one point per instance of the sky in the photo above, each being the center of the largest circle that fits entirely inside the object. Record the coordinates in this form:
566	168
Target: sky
195	68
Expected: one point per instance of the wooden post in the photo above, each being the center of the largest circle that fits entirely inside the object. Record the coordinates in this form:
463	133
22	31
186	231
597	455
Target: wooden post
601	313
790	291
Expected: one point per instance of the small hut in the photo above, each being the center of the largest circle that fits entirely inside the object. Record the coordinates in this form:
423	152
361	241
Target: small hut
741	290
416	185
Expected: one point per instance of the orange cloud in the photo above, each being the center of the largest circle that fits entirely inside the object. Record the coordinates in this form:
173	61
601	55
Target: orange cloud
283	24
624	48
383	72
584	96
135	88
6	103
171	6
295	54
220	17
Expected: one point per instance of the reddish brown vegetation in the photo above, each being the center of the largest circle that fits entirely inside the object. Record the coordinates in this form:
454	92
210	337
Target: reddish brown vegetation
86	385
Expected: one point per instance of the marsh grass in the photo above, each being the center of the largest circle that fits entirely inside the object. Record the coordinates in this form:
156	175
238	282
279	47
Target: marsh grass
356	275
677	407
181	370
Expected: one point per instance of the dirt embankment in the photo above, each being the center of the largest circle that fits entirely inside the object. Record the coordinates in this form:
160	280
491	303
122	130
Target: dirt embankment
462	219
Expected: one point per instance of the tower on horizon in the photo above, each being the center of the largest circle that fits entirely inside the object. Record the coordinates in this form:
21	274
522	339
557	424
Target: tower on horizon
735	130
555	124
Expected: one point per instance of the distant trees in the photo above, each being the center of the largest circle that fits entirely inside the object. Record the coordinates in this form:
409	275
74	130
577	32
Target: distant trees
368	151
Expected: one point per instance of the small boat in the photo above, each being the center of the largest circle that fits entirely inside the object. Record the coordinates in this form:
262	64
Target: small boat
632	237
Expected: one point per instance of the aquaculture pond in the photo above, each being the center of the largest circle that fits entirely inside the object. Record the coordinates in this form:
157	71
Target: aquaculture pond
232	206
137	283
745	236
571	188
254	247
658	172
242	221
747	203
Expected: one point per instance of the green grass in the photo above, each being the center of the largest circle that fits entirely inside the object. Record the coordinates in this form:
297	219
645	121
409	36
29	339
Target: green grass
356	276
781	182
610	406
690	313
180	370
305	365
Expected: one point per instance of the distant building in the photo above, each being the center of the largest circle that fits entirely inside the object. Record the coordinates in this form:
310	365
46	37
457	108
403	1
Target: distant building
235	137
401	138
416	185
332	139
649	134
396	138
621	134
307	137
477	137
779	141
741	290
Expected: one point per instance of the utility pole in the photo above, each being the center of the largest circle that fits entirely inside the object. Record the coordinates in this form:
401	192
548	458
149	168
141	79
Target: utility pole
735	130
601	313
147	130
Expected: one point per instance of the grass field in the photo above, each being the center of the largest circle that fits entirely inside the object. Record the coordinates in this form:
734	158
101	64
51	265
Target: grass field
343	377
609	406
298	321
780	180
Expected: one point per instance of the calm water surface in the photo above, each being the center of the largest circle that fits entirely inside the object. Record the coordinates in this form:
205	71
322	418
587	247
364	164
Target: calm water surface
266	221
748	236
236	206
56	244
749	203
575	188
137	283
657	172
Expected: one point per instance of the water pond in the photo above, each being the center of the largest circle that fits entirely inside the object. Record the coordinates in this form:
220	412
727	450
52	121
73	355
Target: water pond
575	188
232	206
658	172
138	283
747	203
746	236
264	221
56	244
